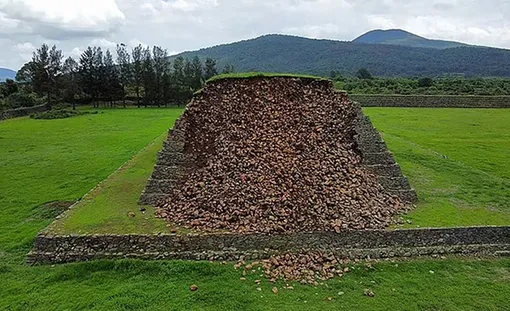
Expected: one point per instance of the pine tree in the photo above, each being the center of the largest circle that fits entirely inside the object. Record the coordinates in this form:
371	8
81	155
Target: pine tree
210	68
87	73
179	70
70	70
54	72
111	86
99	74
188	73
364	74
125	70
228	69
197	80
26	75
137	66
160	68
148	77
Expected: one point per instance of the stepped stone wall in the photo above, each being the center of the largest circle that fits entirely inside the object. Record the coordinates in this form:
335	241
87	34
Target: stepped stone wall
353	244
432	101
169	166
378	159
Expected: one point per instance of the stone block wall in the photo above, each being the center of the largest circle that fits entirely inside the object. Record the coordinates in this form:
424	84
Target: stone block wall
21	112
169	166
432	101
377	158
353	244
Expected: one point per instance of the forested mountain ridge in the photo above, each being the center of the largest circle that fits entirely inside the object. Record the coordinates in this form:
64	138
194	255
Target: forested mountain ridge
404	38
292	54
6	73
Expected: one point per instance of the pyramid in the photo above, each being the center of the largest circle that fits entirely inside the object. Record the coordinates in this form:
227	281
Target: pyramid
276	154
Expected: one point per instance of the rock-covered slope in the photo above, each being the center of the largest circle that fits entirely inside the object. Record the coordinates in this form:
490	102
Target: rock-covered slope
276	155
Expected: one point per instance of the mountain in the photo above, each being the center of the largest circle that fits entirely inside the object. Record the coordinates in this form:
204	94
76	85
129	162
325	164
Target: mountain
402	37
7	74
290	54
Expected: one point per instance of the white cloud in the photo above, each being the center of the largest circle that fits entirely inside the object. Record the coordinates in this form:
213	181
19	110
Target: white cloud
180	25
104	44
25	50
135	42
55	18
75	53
315	31
25	47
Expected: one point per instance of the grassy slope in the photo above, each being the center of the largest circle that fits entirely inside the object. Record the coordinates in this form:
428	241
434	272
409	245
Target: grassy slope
457	160
248	75
48	160
134	285
106	208
101	143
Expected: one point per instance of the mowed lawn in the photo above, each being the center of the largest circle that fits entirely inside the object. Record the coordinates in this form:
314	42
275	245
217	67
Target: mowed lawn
48	160
456	159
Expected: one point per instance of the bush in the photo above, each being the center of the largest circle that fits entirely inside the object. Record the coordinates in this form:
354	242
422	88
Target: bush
425	82
364	74
59	114
22	99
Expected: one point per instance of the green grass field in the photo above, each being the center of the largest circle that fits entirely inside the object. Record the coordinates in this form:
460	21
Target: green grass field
49	160
456	159
458	169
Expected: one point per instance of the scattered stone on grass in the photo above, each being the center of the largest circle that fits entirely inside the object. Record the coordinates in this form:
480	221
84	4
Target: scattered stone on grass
193	288
305	267
369	293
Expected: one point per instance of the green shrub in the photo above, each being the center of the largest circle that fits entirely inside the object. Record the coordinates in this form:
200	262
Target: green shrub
59	114
22	99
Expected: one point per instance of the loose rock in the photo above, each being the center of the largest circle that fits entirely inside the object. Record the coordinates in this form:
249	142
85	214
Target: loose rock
274	155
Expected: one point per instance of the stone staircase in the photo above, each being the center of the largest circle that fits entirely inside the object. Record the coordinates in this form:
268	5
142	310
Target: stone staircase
377	158
168	167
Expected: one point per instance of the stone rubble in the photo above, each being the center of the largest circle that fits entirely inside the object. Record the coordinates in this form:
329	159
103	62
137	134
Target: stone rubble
275	155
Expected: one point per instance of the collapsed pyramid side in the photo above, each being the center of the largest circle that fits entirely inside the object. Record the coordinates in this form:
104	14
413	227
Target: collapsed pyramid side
171	162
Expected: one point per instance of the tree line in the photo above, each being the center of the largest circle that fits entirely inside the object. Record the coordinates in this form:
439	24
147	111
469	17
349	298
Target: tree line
365	83
143	76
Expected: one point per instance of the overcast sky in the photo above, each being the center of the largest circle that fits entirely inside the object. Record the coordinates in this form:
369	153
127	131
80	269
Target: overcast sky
180	25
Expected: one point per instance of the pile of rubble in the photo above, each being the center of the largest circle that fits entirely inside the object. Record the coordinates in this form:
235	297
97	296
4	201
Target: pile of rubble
274	155
305	267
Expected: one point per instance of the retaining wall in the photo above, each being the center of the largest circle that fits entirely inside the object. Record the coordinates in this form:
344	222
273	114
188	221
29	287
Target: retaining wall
379	160
353	244
21	112
432	101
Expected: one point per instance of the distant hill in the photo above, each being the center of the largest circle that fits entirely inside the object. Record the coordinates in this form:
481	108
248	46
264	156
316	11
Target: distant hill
405	38
282	53
7	74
